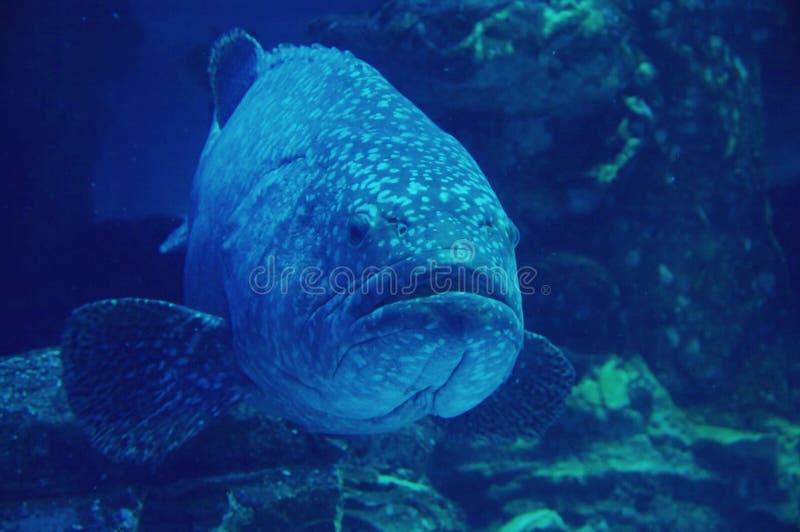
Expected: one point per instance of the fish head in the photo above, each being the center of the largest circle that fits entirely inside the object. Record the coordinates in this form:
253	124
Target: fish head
416	308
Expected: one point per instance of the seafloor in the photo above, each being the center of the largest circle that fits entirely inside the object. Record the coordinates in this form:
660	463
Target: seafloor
627	141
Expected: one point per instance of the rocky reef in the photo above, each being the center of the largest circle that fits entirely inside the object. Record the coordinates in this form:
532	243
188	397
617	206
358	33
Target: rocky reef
623	457
625	139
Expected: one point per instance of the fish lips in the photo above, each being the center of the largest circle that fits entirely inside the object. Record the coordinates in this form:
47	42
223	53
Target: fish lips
442	353
436	342
413	279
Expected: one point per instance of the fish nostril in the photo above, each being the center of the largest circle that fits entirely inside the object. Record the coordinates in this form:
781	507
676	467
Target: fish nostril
358	228
400	226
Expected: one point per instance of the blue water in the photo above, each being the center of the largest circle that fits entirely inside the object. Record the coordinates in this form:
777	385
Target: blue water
678	269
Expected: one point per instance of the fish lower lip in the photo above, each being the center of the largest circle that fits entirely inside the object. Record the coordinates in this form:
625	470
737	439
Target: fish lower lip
481	336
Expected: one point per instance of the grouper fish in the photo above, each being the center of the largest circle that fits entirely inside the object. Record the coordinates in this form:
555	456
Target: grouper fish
348	268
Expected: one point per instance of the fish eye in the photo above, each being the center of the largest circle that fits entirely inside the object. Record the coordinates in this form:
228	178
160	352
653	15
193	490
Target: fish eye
358	227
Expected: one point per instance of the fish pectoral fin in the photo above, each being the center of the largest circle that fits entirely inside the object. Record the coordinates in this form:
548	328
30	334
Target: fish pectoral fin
233	68
143	376
177	239
527	403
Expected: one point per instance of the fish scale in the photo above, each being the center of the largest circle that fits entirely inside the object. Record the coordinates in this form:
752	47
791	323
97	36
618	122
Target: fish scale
326	211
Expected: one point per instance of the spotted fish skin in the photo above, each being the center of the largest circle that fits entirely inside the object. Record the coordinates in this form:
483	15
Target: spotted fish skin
348	268
320	149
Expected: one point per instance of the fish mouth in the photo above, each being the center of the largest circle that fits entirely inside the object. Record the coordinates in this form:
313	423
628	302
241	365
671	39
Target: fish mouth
385	289
410	296
425	351
414	338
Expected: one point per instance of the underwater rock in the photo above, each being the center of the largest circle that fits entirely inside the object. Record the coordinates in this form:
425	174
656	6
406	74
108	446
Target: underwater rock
244	470
536	520
628	133
574	293
624	457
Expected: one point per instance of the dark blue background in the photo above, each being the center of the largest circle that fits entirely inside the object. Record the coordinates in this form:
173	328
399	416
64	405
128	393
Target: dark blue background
106	108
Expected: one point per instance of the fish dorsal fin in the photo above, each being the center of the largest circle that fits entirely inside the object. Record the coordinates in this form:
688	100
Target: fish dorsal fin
233	67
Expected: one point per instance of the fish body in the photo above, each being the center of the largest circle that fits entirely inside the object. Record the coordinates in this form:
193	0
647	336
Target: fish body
348	267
